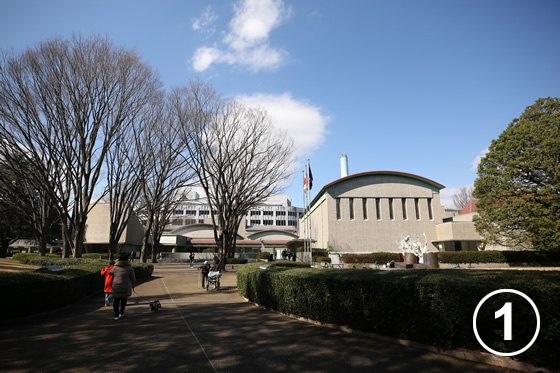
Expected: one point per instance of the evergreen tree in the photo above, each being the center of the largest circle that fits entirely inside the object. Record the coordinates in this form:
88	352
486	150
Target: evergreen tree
518	181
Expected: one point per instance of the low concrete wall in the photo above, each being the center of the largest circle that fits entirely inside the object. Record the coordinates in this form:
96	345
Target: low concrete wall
198	257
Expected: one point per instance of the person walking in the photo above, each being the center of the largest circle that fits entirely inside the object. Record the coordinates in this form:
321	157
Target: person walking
108	283
204	270
216	265
191	258
123	283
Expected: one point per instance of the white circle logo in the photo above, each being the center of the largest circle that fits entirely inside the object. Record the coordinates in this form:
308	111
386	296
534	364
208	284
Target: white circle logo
505	311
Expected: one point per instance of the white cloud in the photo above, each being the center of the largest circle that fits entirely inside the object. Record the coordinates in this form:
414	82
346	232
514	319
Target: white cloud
253	21
204	57
477	159
206	21
247	42
303	121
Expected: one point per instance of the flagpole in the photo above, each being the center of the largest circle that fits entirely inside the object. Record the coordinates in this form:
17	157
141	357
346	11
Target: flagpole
309	245
304	223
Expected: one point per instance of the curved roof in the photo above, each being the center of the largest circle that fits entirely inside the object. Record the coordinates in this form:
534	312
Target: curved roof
430	183
387	173
190	226
271	231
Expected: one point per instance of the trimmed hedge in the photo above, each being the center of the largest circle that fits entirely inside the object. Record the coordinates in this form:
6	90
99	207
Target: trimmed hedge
433	307
458	257
377	258
320	259
35	292
237	260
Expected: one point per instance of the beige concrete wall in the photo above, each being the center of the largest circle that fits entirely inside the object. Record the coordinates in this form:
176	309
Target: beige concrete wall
457	231
99	223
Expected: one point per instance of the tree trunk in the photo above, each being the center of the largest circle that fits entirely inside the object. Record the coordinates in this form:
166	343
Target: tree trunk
145	239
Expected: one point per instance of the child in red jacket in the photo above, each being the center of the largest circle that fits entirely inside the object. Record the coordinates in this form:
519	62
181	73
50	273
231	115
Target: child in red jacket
108	283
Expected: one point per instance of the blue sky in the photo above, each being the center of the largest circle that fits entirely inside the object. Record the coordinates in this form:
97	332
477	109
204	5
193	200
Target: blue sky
415	86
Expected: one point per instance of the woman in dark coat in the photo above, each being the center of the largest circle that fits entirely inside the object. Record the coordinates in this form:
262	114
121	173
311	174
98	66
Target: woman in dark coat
123	283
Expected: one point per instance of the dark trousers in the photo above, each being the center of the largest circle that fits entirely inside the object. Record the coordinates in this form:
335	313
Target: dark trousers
119	305
204	276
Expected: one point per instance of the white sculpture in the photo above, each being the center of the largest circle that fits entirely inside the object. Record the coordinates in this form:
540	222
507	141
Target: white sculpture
413	245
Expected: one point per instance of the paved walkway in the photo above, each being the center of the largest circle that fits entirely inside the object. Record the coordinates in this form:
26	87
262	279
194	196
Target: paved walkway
199	331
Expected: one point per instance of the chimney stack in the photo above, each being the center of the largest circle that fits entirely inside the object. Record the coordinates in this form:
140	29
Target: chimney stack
343	165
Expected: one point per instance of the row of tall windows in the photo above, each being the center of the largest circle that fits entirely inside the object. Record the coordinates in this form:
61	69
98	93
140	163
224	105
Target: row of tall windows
393	203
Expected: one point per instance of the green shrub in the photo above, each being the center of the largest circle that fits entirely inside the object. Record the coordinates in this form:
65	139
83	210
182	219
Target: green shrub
376	258
458	257
25	258
237	261
320	259
264	255
144	270
34	292
433	307
96	255
320	252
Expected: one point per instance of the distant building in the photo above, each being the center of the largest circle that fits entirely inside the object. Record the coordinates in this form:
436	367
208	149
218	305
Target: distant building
199	237
370	211
275	211
97	231
457	233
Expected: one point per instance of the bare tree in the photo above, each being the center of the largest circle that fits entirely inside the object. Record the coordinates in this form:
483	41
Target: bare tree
463	196
66	103
28	201
163	174
123	181
238	156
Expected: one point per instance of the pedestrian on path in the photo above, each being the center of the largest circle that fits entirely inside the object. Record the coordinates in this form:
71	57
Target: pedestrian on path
123	283
191	258
204	270
216	265
108	282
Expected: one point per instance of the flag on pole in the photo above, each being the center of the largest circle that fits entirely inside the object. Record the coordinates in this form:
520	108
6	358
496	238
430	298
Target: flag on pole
310	176
305	181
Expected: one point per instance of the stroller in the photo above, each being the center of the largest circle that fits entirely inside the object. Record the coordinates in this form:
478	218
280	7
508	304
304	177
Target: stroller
214	279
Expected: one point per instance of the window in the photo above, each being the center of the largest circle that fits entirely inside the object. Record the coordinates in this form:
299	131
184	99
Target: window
280	222
293	223
255	222
351	205
404	209
253	213
178	212
280	213
416	207
430	209
391	215
268	213
268	222
204	212
364	207
292	213
190	212
338	208
377	209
